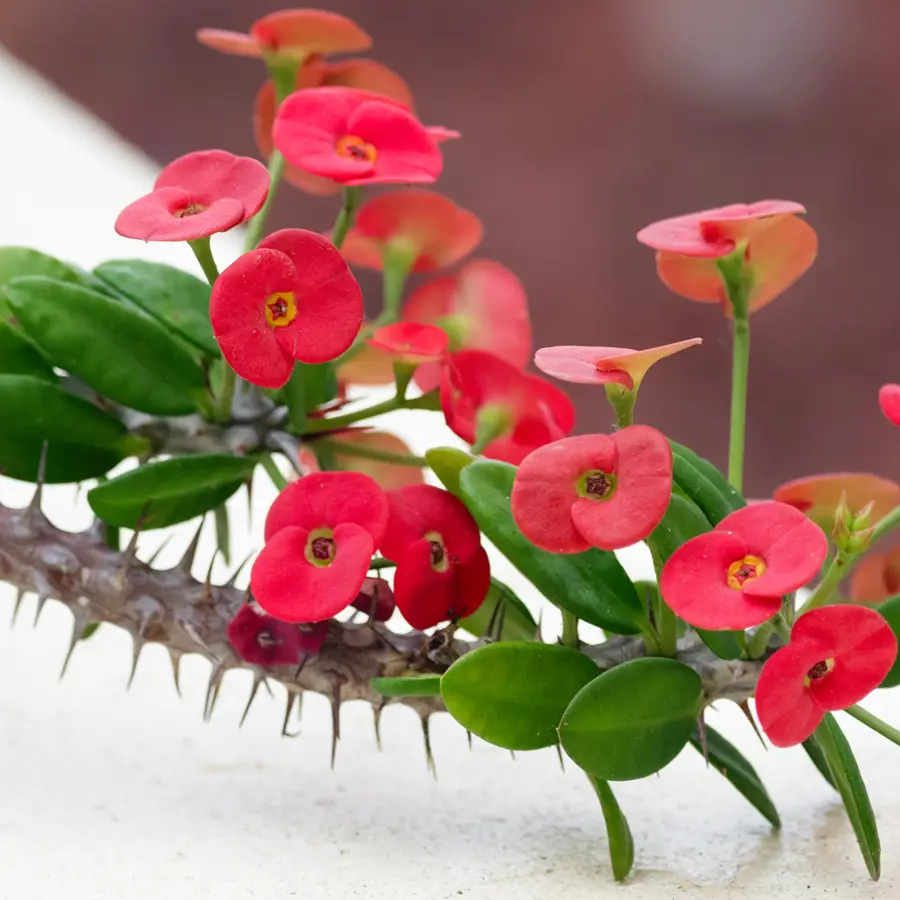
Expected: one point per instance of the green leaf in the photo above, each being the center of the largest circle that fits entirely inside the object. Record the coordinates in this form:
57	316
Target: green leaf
168	492
412	686
18	355
725	644
845	772
20	458
16	262
683	520
725	758
120	353
890	609
177	300
308	388
592	585
621	843
89	630
501	607
447	463
704	484
632	720
814	752
513	694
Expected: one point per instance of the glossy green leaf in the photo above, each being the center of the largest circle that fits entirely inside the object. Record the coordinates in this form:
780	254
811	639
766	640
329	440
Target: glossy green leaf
719	482
502	610
591	585
726	759
168	492
177	300
814	752
18	356
683	520
122	354
845	772
708	495
20	459
632	720
16	262
890	609
621	843
447	463
514	694
725	644
412	686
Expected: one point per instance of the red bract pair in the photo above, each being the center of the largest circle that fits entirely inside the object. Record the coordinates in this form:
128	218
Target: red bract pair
498	408
837	656
195	196
818	496
320	533
293	298
356	137
410	343
442	572
597	490
735	576
263	641
778	249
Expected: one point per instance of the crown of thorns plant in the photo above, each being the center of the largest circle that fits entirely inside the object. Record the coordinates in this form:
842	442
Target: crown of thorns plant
194	384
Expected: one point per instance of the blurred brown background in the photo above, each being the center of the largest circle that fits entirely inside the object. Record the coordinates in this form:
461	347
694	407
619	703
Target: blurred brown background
582	121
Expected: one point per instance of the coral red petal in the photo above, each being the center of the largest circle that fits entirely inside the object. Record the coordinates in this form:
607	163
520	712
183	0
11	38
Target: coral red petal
299	32
389	475
779	256
889	401
691	277
367	75
232	42
787	711
158	216
817	496
411	342
578	365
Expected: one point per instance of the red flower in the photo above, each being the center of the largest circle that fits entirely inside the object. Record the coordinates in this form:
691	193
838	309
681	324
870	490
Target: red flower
876	577
291	33
375	599
889	401
481	393
321	532
734	576
427	229
195	196
409	342
365	74
481	307
780	248
443	572
263	641
355	137
604	365
293	298
818	495
595	490
837	656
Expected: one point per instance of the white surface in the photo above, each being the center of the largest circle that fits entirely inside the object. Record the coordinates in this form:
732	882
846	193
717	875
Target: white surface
114	794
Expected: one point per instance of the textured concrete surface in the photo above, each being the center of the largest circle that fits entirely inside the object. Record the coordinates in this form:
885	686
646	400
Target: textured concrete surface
115	794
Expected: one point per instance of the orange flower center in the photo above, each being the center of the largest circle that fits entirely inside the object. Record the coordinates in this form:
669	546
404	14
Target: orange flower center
191	209
439	560
819	671
352	147
743	570
281	309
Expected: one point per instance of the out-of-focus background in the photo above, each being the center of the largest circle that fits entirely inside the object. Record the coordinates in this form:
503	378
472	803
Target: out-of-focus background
583	121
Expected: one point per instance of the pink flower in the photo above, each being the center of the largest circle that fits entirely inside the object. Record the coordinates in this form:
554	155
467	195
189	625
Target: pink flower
889	401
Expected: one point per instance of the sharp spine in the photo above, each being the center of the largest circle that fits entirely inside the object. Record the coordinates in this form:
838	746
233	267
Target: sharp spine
35	506
186	563
135	658
335	721
41	603
258	679
212	690
20	596
426	735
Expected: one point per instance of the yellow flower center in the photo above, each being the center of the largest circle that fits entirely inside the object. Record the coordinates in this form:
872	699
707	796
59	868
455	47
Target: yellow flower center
352	147
281	309
818	671
744	570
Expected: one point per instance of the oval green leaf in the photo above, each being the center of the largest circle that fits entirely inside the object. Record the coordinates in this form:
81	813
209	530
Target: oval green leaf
18	356
632	720
513	694
122	354
447	463
712	474
501	611
411	686
168	492
178	300
591	585
621	843
890	609
16	262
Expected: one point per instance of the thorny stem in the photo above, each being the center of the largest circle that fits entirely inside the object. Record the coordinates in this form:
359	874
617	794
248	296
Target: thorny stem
346	215
400	459
873	722
426	401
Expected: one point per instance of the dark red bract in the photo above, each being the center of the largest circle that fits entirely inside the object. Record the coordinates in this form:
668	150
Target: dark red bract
375	599
837	656
263	641
734	576
410	342
596	490
195	196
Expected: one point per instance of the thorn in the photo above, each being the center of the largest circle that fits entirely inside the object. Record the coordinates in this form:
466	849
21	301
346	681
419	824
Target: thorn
501	620
212	690
537	633
135	657
562	765
20	596
186	563
291	699
41	601
77	631
175	657
159	550
376	715
489	631
35	505
207	584
701	731
249	485
745	709
426	734
239	569
335	720
258	679
512	753
469	739
130	554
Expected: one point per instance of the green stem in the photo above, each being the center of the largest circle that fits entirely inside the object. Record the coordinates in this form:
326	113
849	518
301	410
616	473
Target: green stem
886	525
393	276
666	625
344	448
426	401
225	398
378	564
258	222
834	574
622	402
873	722
204	256
346	215
739	371
570	629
